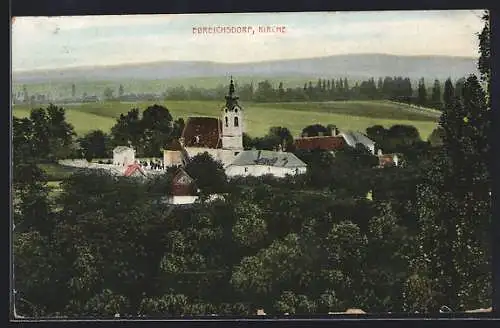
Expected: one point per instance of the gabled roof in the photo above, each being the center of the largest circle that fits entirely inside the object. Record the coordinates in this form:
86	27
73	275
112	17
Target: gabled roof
267	157
354	137
121	149
202	132
133	168
323	143
183	184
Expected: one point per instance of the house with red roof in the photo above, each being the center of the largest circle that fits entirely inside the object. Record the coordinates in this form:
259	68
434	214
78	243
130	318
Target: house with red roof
184	190
327	143
134	170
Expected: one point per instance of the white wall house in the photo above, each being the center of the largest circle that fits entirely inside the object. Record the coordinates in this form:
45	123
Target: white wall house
123	156
262	162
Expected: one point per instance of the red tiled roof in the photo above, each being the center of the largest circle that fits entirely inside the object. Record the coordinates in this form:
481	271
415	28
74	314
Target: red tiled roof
132	168
206	129
323	143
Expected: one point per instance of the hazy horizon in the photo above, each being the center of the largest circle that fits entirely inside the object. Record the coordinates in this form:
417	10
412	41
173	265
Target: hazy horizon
48	43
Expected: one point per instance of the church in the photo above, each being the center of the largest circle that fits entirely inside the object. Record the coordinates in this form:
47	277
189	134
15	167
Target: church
220	137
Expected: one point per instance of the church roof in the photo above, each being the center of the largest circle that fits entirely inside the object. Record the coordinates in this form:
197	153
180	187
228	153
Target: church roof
202	132
267	157
322	142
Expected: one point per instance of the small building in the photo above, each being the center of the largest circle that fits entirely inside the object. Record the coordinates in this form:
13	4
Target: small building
262	162
353	138
184	190
135	170
174	154
389	160
123	156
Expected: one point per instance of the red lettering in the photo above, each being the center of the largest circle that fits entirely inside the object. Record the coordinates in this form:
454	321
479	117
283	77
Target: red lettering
269	29
194	30
199	30
262	29
283	29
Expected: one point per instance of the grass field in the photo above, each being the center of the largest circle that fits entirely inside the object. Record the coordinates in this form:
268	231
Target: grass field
347	115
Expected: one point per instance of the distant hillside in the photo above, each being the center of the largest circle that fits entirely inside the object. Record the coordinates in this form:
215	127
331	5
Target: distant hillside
359	66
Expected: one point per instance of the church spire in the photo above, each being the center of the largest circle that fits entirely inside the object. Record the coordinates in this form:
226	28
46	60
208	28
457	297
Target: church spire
231	99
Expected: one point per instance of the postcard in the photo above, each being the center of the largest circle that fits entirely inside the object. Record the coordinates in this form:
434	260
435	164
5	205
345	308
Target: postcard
251	164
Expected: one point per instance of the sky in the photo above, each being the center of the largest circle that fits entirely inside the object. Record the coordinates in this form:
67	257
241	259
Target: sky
74	41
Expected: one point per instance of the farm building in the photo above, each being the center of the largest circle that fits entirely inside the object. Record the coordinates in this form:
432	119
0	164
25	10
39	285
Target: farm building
174	154
353	138
184	190
123	156
134	170
262	162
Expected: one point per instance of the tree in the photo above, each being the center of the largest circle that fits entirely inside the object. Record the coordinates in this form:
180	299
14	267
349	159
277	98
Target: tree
127	129
315	130
454	209
436	137
156	127
73	90
281	92
108	93
422	93
436	94
282	137
449	92
121	91
95	144
209	174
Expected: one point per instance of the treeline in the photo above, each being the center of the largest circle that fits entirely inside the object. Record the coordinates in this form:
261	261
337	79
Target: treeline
398	89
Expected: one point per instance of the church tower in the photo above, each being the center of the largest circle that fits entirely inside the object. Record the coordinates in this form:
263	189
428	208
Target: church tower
232	121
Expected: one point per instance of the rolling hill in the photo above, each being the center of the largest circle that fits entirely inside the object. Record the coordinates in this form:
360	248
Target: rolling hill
259	117
355	66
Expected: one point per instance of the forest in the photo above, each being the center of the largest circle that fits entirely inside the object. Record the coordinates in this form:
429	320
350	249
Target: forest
308	244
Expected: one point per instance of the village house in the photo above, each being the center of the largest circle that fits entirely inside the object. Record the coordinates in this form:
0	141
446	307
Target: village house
353	138
123	156
262	162
135	170
184	190
325	143
388	160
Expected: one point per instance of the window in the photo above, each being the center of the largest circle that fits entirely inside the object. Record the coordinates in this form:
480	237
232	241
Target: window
236	109
246	169
296	171
236	121
236	153
226	109
227	122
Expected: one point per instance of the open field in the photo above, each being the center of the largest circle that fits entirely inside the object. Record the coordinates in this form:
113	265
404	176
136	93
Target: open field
347	115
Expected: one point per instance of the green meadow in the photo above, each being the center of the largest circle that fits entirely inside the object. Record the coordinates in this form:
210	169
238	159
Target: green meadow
259	117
